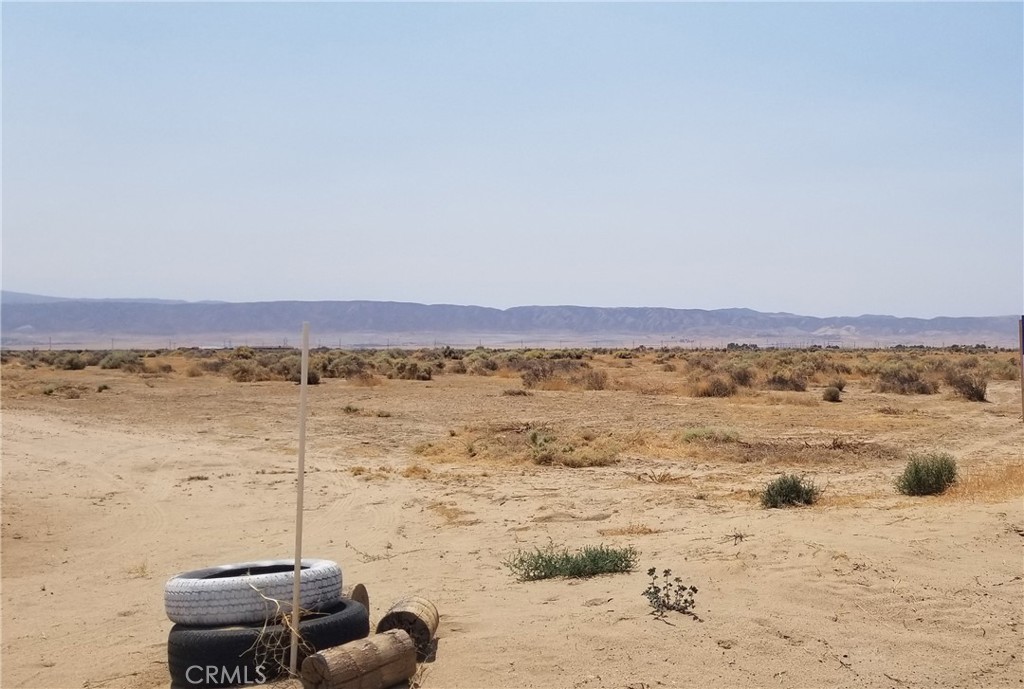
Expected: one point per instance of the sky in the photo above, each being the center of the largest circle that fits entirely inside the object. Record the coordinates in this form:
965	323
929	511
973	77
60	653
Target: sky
823	159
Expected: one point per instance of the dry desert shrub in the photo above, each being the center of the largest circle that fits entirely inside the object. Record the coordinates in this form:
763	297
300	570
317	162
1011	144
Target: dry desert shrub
247	371
786	380
970	384
831	394
904	378
715	386
416	471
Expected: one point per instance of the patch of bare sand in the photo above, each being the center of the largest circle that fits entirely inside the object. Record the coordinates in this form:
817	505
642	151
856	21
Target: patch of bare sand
868	589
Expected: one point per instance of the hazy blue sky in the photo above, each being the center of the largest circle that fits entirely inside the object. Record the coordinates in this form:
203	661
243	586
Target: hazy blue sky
824	159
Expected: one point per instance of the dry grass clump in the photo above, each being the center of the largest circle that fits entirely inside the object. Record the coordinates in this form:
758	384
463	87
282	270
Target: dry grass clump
524	442
988	484
709	435
452	514
795	452
368	474
416	471
652	476
633	529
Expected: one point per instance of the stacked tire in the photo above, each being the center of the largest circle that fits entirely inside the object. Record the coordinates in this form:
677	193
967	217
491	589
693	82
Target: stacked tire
228	630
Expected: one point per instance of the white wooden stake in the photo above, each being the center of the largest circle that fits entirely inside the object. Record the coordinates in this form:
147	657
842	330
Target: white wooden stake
300	483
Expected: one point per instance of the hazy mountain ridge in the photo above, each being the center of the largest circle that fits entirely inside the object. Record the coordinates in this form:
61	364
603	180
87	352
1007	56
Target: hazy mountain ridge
27	316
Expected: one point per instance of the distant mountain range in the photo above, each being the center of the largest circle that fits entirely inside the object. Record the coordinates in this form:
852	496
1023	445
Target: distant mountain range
34	320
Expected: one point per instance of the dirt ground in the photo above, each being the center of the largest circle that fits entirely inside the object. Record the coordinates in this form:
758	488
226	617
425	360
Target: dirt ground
107	494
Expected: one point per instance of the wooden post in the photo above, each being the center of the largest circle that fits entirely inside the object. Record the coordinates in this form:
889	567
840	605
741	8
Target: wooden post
300	485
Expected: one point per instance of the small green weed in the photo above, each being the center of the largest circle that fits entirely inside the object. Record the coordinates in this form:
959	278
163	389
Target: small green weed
670	594
554	561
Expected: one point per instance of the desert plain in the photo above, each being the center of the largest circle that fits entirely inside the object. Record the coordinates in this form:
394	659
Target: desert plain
115	479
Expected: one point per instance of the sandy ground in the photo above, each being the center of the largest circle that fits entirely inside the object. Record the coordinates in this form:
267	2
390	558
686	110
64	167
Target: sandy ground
865	589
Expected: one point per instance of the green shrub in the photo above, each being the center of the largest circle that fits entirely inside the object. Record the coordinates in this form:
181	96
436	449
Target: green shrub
552	561
346	366
541	448
969	384
126	361
789	490
831	394
927	474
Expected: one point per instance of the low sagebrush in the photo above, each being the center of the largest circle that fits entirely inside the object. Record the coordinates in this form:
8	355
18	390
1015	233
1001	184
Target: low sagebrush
789	490
927	474
969	384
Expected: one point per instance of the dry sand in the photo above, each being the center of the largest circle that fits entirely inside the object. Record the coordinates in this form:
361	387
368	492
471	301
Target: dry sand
101	504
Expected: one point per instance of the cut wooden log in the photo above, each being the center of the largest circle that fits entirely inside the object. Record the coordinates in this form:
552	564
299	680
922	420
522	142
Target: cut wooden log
359	595
418	616
376	662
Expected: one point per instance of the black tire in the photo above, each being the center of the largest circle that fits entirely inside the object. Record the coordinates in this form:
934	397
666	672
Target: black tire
249	592
208	657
